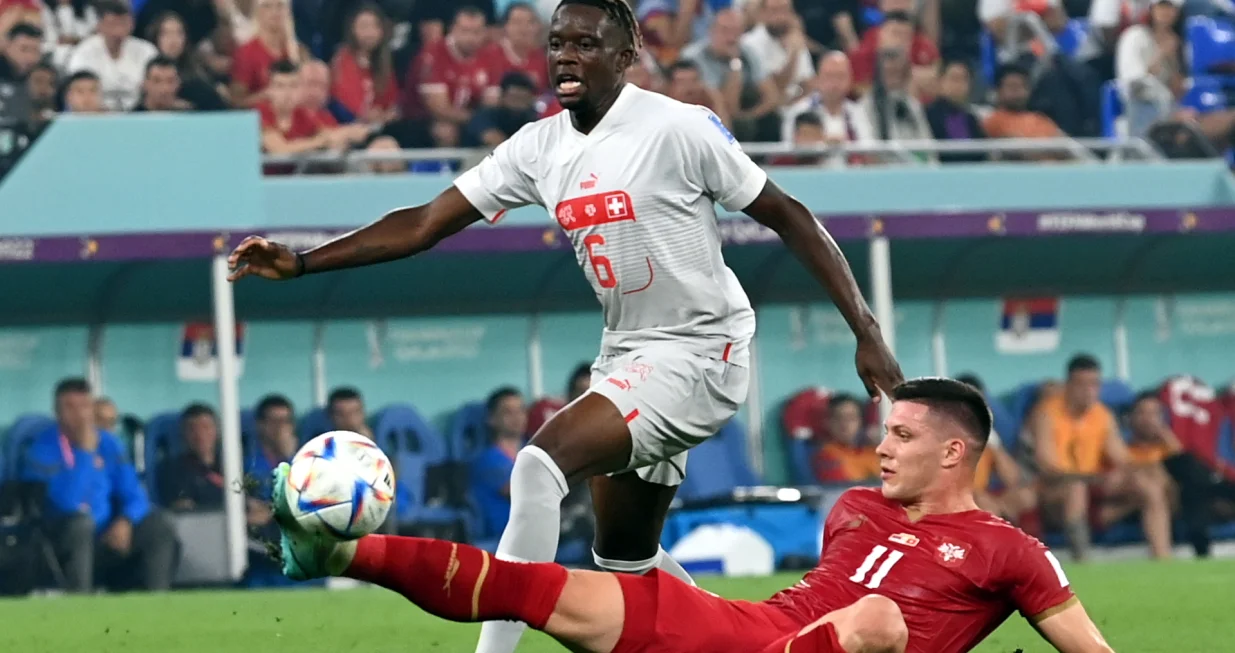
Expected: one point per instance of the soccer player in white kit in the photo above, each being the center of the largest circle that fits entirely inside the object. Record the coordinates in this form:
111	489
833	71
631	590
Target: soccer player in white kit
631	177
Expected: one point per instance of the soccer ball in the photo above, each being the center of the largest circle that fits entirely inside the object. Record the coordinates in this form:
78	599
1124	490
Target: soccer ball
340	485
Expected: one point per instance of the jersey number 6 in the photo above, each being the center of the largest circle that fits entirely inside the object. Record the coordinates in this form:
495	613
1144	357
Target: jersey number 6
600	265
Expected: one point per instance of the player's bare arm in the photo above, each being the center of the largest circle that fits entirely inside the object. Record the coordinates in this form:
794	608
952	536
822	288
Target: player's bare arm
1070	630
814	246
398	234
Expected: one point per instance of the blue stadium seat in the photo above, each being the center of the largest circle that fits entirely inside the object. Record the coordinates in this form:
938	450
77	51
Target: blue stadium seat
469	431
163	442
314	423
1006	425
1073	36
1112	108
1021	400
20	434
1205	94
1212	42
798	454
415	448
717	466
988	53
1116	394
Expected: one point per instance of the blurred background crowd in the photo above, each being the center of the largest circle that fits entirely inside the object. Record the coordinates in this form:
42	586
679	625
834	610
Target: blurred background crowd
340	75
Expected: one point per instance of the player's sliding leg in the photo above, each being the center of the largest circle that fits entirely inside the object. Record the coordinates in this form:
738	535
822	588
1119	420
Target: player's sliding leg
583	610
587	438
630	515
873	624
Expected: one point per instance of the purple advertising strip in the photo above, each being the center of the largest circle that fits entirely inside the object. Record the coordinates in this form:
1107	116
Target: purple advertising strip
734	232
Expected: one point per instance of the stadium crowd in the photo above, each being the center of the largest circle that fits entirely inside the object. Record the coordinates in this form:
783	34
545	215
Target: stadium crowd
346	75
1068	460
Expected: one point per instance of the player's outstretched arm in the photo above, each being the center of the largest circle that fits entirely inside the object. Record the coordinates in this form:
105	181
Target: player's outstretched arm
814	246
1070	630
398	234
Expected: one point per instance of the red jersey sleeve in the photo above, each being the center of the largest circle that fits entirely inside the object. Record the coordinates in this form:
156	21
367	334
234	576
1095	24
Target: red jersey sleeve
433	72
1034	580
840	514
246	68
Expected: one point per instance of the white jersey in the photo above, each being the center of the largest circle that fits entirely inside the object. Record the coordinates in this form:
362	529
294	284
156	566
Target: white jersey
636	197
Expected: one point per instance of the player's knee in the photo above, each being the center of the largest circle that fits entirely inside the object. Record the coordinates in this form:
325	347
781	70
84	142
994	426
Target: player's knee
536	477
876	626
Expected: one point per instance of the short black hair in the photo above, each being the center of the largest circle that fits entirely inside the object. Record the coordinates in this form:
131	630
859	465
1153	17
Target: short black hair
160	61
26	30
78	76
112	8
283	67
196	410
961	402
72	385
618	11
498	396
342	393
807	118
516	79
953	61
1083	363
843	398
1007	70
516	6
972	379
682	64
468	10
582	370
269	402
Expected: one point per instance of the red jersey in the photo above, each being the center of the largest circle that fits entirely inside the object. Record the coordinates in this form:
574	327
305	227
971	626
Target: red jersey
501	59
441	67
921	53
955	577
541	411
251	65
304	123
1195	415
354	87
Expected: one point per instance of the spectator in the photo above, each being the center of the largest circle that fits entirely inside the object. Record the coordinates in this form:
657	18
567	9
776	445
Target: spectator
846	456
345	407
276	443
21	54
275	41
19	12
1013	499
686	85
390	166
315	96
103	522
1012	117
200	18
897	33
197	86
831	25
105	414
1149	66
288	127
82	93
668	25
950	115
447	81
842	120
807	132
1076	438
1004	24
516	108
194	479
65	24
161	89
41	85
895	113
115	55
363	69
749	93
492	467
780	45
521	49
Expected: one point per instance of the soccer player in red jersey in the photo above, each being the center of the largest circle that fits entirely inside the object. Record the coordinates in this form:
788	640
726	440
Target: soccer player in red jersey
911	567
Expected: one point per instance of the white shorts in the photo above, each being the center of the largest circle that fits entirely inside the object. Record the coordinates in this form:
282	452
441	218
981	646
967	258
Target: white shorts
672	401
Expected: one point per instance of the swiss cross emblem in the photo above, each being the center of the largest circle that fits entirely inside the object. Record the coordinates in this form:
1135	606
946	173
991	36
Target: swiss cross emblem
951	554
615	205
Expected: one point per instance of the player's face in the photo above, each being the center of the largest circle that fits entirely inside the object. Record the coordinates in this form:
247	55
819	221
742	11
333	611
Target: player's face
201	435
913	451
588	56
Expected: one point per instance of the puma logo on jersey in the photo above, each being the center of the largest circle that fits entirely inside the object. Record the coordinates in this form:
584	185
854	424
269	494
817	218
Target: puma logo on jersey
590	183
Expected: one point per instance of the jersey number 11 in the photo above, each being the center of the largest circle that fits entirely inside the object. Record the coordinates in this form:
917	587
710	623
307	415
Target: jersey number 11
876	554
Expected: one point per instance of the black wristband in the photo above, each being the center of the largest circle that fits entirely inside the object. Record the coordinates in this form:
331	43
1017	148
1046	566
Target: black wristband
299	265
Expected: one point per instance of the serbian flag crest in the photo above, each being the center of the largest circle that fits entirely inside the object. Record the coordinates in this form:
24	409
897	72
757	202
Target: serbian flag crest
198	358
1028	326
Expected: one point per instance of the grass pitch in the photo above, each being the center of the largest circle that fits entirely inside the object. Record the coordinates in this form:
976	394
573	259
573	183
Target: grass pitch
1143	607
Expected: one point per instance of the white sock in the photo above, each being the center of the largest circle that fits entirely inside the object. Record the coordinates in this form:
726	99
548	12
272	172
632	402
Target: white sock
662	561
537	488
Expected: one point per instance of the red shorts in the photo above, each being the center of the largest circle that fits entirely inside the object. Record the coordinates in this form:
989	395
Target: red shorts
665	615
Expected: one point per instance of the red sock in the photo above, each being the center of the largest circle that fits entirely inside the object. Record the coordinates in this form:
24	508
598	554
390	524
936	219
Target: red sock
459	582
820	639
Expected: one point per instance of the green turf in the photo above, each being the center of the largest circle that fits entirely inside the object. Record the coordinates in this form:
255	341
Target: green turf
1179	607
